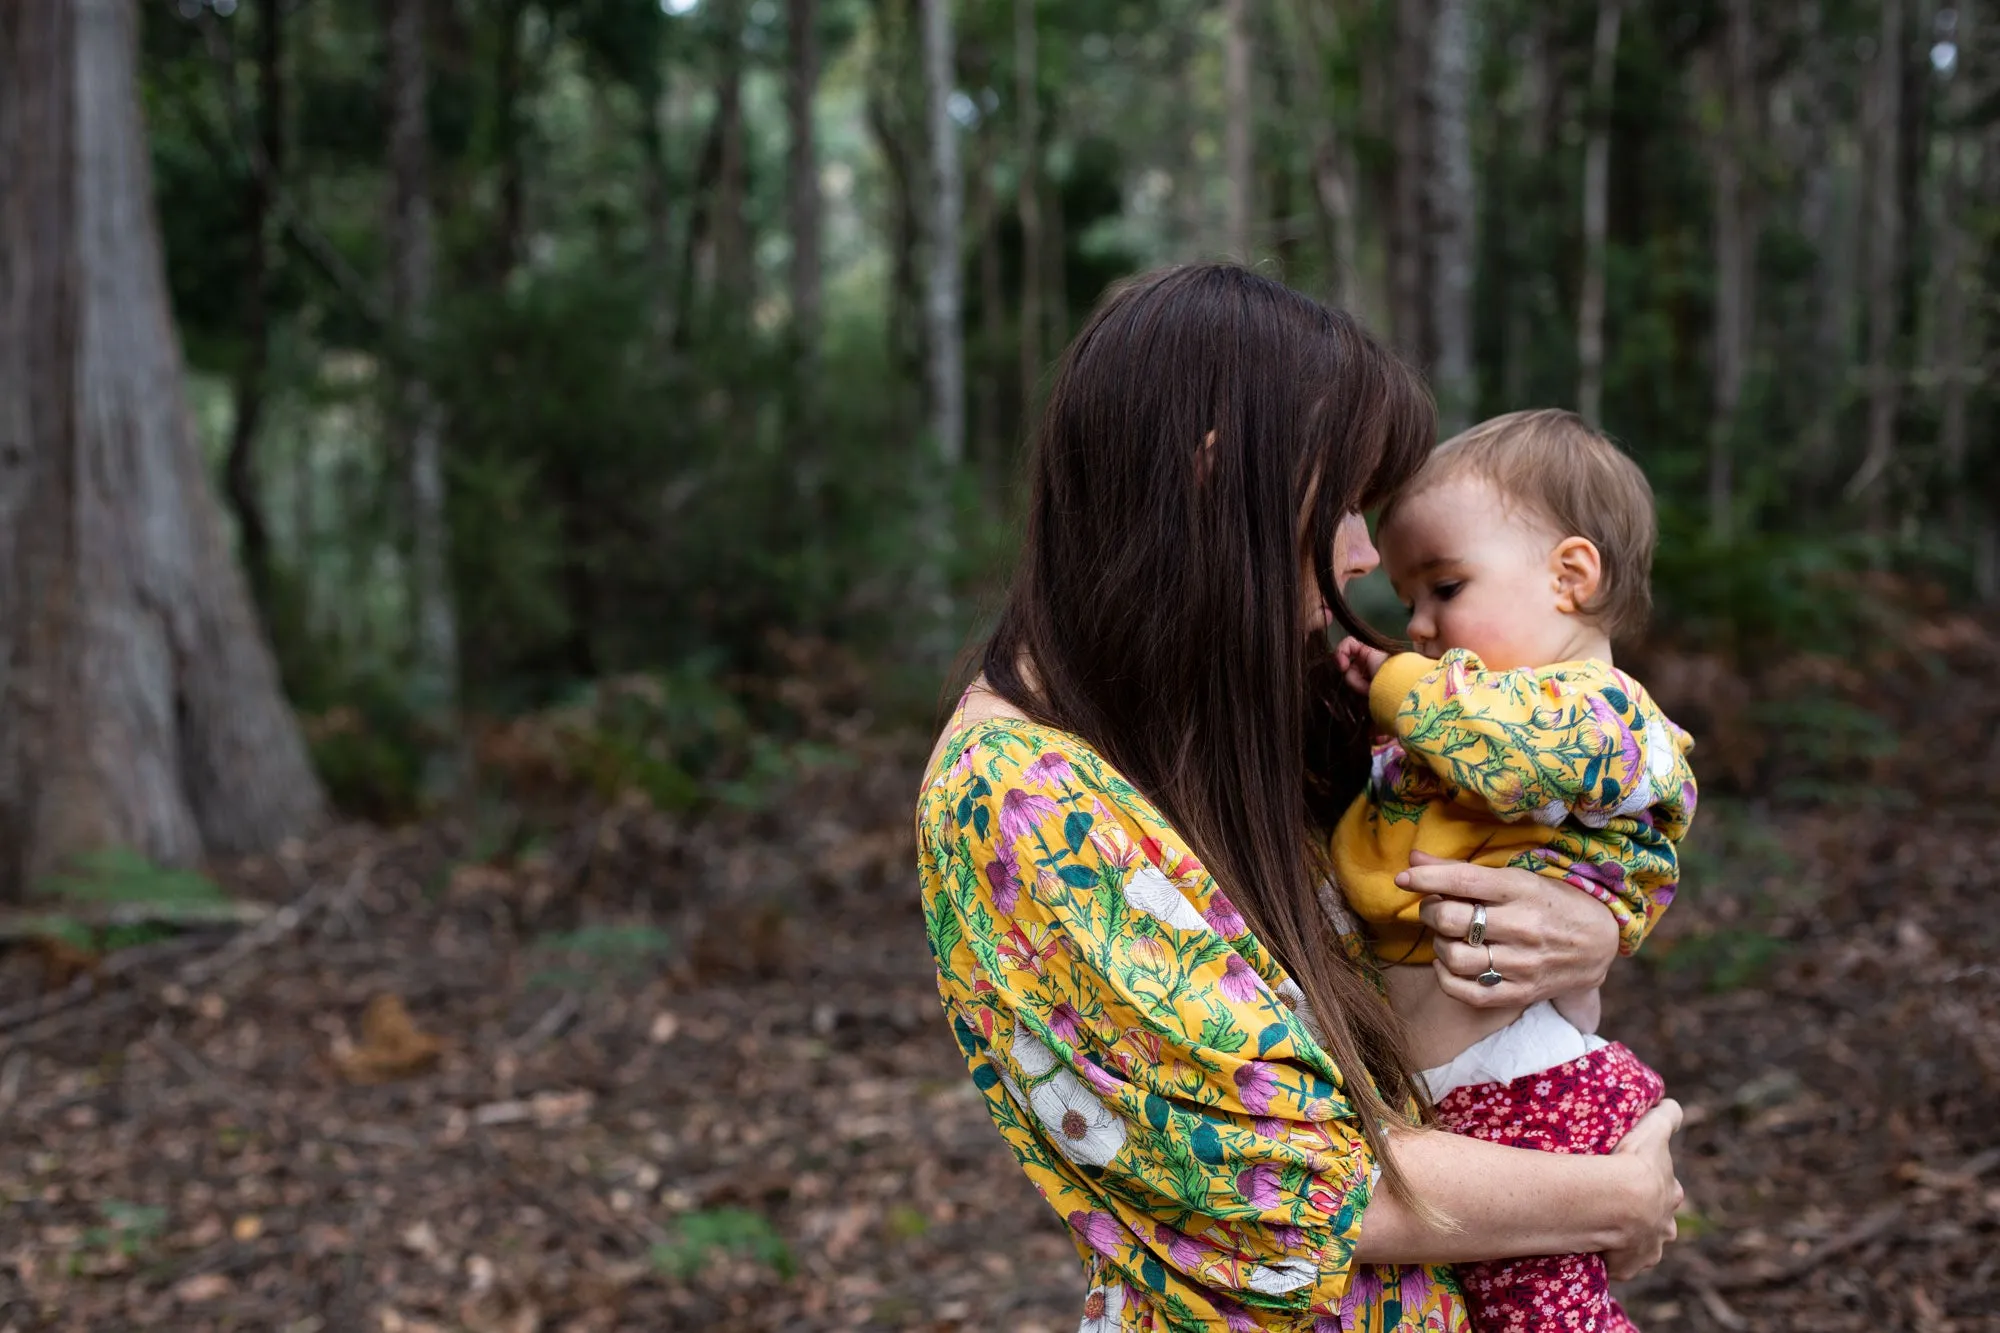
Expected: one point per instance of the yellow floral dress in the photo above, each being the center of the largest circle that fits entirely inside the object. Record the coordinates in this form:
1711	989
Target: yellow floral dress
1139	1051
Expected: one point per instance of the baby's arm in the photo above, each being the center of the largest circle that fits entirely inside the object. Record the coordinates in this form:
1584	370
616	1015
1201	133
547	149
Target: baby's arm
1534	743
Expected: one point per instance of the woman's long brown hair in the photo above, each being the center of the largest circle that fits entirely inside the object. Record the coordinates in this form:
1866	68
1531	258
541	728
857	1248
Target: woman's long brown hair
1158	608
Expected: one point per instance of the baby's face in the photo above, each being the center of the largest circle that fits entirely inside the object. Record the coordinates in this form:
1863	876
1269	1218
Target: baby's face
1478	573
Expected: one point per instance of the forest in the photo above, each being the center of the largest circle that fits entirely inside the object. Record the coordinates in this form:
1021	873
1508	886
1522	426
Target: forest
490	491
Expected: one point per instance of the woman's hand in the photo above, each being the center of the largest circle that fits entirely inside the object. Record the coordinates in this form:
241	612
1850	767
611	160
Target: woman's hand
1646	1146
1545	938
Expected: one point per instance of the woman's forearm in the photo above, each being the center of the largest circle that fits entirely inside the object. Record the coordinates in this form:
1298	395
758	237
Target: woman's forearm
1497	1203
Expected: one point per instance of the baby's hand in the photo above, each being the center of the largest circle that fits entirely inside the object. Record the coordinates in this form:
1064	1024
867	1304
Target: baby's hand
1358	663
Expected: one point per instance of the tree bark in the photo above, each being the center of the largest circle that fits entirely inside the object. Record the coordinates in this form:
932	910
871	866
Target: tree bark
140	708
1332	162
802	83
942	297
1735	257
1596	190
1885	251
1955	277
733	275
1239	167
241	482
434	683
1451	209
1410	287
1027	123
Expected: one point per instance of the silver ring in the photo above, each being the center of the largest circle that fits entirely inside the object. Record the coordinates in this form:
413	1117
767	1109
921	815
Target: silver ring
1476	933
1491	976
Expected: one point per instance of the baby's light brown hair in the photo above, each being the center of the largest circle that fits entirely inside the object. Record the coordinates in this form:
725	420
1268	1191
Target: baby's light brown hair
1571	476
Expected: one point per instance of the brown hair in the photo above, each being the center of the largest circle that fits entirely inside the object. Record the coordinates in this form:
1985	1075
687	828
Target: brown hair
1157	608
1557	465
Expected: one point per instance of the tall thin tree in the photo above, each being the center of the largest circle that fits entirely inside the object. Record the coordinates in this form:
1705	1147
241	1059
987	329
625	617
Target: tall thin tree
943	301
140	707
1028	194
1238	131
1451	213
415	412
1735	256
801	86
1596	192
1885	250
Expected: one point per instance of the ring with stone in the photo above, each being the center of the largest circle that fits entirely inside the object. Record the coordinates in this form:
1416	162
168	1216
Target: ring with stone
1491	976
1476	932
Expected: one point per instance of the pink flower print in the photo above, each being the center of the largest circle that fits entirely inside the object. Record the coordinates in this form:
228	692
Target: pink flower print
1326	1324
1364	1292
1287	1237
1019	948
1099	1078
1222	916
1268	1127
1066	1022
1184	1251
1146	1043
1258	1185
1052	769
1239	983
1111	840
1234	1317
1101	1231
1255	1082
1003	873
1020	809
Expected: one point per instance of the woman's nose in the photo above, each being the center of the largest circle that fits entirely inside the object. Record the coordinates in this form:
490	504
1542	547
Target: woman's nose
1356	553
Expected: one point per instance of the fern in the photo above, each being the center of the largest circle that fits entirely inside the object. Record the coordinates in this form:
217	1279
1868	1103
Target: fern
727	1231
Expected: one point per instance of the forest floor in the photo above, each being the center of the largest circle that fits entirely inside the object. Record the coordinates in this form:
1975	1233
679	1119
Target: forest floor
668	1073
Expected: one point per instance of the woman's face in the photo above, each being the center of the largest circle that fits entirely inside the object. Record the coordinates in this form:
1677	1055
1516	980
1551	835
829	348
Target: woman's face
1353	556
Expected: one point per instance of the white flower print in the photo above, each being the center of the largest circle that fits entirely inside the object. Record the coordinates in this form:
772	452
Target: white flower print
1155	895
1660	752
1030	1054
1082	1128
1334	904
1282	1275
1013	1089
1295	1000
1102	1309
1550	815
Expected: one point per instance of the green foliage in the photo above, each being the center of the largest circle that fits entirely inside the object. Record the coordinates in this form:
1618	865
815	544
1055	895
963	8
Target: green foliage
593	955
119	875
370	750
128	1228
737	1232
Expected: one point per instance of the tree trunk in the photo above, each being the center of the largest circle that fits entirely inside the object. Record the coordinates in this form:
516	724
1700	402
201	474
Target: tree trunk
1596	189
1332	163
1735	259
1410	285
990	409
1239	168
141	708
733	275
1954	277
434	685
241	481
1527	302
942	305
1452	216
1885	257
801	85
1027	97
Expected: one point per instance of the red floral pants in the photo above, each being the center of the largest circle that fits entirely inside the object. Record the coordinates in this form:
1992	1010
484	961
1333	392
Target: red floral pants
1585	1106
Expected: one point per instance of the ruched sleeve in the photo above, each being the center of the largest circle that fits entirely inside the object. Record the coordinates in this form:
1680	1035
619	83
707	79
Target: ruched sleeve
1135	1047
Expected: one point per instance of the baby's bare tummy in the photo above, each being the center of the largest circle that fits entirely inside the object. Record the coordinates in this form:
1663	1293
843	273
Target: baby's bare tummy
1439	1026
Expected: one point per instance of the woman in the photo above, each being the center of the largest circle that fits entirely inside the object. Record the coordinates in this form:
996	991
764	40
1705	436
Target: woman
1122	839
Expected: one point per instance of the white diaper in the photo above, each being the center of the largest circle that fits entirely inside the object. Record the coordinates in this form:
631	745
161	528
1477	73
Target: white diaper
1539	1039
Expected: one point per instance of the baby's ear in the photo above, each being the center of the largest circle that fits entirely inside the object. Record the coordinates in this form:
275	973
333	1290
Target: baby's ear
1578	570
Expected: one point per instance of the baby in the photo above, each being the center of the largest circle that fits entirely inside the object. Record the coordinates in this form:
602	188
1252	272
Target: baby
1522	548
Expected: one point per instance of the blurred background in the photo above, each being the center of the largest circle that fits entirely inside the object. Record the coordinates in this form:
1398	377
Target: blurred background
613	415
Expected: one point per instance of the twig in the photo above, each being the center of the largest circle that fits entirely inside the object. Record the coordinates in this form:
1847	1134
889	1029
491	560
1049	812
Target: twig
115	965
1867	1229
203	970
203	1074
96	916
548	1025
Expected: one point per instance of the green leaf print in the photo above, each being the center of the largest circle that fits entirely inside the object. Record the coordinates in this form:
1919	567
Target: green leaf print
982	819
1075	829
1078	877
1222	1035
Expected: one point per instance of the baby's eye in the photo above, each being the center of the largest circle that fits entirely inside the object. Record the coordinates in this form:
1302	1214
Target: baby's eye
1446	591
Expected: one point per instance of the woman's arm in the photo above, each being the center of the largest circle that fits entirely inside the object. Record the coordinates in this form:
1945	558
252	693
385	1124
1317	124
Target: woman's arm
1548	938
1505	1203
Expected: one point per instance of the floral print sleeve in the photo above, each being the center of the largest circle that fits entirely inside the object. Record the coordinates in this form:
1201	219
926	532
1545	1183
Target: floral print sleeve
1579	748
1139	1051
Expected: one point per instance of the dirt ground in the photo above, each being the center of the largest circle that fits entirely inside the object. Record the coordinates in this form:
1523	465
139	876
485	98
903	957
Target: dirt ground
653	1073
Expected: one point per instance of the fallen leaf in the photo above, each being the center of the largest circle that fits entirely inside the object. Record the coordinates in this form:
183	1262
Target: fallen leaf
248	1227
555	1108
391	1046
203	1287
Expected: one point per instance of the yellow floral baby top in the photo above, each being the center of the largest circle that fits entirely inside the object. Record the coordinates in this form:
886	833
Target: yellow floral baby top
1138	1049
1568	770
